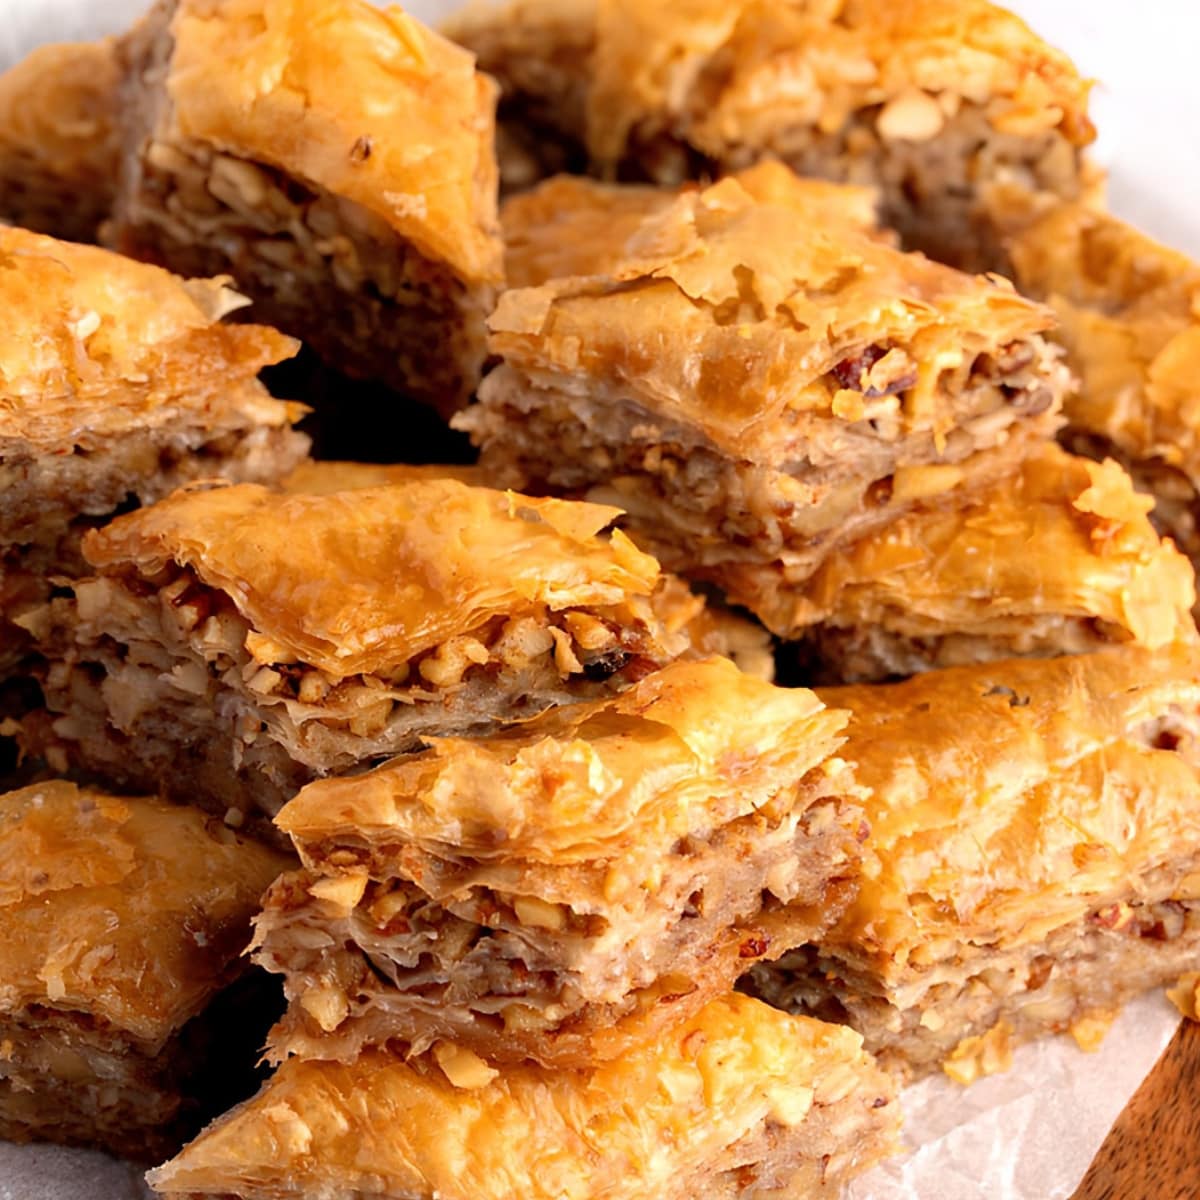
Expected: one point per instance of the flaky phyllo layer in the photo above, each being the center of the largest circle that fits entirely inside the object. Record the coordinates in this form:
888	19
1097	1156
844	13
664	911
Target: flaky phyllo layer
738	1099
181	889
97	346
767	329
1035	826
572	225
1060	558
122	922
754	390
526	892
119	383
1129	318
59	138
325	631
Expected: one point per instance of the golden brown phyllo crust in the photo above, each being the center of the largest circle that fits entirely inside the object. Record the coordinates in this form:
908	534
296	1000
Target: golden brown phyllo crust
122	921
60	138
753	390
119	383
738	1099
933	101
267	639
96	345
336	158
549	892
1129	317
1059	559
571	225
1034	825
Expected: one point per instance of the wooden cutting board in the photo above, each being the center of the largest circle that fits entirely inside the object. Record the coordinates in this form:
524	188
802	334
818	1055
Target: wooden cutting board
1152	1151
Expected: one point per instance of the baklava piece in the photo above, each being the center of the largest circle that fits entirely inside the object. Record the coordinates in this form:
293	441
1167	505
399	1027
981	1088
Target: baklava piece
1037	827
118	383
1129	317
60	139
557	891
571	225
755	392
238	643
127	1014
336	159
1061	559
933	101
739	1100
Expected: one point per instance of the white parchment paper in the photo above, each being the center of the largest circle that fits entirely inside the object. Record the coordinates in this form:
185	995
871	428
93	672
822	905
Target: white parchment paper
1028	1134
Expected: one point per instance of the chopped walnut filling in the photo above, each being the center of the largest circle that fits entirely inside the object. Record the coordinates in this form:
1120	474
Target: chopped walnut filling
229	653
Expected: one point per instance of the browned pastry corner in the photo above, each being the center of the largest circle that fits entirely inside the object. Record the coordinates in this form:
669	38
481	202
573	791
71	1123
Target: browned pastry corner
1128	314
60	140
1059	559
118	383
739	1100
755	391
934	102
1037	831
571	225
127	1009
336	159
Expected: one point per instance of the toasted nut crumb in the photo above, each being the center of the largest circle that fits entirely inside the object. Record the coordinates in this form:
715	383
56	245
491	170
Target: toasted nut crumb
917	483
371	718
520	1018
314	687
912	116
384	909
446	666
590	633
564	656
464	1068
264	650
753	946
343	890
1112	916
848	405
1185	995
326	1004
264	681
1089	1030
986	1054
538	913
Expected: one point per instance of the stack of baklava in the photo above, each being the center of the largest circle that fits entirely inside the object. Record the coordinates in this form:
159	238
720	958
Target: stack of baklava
487	762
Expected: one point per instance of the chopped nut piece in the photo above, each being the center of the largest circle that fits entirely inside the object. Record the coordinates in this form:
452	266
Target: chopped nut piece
464	1068
1185	995
985	1054
913	116
343	890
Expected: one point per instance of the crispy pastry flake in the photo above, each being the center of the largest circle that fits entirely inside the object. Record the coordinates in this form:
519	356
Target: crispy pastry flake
736	1098
122	924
